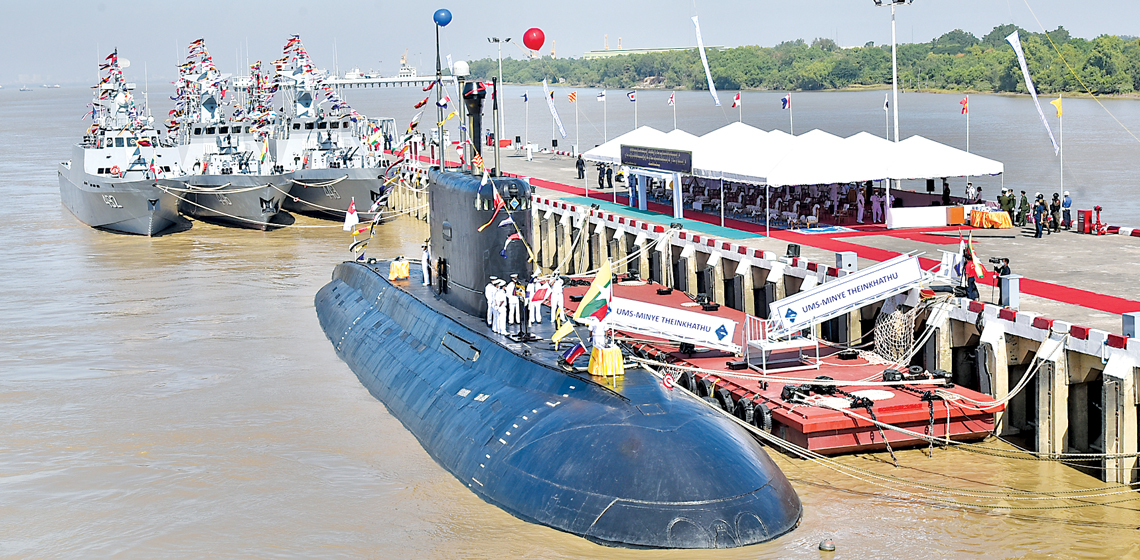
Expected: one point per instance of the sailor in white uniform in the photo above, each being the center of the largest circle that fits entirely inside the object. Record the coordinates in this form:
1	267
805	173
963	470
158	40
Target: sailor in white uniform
425	264
533	311
513	301
876	207
859	198
598	334
499	301
557	305
489	292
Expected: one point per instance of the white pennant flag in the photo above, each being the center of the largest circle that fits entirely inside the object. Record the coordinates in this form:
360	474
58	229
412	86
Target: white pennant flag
553	110
705	61
1015	42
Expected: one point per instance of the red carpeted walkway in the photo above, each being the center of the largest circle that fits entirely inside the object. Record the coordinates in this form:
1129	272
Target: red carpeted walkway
834	243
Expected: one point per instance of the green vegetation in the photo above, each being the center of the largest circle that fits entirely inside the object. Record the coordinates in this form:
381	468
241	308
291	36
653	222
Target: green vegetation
955	61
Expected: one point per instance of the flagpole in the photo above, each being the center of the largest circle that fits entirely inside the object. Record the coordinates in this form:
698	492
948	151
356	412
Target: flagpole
791	117
576	136
526	130
635	111
967	129
739	110
605	119
1061	120
673	96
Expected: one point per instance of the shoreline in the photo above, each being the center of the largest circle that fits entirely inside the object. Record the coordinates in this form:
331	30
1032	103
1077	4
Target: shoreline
877	87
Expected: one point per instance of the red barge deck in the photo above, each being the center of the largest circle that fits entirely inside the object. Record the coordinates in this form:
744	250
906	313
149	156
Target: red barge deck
815	425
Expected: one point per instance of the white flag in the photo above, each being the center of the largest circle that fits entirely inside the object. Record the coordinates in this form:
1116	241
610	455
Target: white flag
553	110
705	61
1015	42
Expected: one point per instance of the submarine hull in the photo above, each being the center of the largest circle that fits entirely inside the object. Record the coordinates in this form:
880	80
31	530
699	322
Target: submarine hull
633	465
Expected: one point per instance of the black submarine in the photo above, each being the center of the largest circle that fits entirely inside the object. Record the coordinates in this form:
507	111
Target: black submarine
635	465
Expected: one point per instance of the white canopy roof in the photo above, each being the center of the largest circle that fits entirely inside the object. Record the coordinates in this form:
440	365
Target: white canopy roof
739	152
922	158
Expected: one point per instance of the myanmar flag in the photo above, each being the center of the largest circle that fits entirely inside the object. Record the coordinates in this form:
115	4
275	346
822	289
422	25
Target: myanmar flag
596	302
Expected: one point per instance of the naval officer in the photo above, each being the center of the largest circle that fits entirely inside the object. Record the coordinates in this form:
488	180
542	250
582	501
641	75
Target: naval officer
499	300
534	308
425	264
488	293
557	305
513	288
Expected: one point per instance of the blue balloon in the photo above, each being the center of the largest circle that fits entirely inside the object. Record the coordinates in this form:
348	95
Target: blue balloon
442	17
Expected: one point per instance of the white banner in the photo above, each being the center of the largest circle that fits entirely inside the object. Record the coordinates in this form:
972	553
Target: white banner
553	111
705	61
830	299
1015	42
670	323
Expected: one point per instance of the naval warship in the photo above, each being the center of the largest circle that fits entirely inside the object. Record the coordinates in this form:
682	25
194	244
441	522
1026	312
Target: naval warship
629	464
334	154
118	174
232	179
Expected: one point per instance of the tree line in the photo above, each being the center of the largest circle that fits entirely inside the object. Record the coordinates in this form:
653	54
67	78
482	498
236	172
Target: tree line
957	60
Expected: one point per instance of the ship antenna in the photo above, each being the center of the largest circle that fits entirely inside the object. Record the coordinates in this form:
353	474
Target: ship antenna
146	90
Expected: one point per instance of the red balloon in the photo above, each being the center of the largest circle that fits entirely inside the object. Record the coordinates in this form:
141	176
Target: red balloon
534	38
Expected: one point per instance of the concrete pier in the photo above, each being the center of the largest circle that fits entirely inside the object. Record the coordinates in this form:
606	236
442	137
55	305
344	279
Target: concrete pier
1070	379
1083	398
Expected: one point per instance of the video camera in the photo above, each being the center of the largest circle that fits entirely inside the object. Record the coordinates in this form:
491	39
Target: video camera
996	260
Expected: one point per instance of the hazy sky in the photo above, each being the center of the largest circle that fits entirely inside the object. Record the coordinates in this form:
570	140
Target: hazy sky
61	41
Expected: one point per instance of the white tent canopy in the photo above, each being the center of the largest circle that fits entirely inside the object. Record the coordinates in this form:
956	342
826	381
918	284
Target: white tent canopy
742	153
922	158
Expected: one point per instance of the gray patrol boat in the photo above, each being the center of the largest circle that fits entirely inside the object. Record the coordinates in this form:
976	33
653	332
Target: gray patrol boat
118	175
232	178
335	153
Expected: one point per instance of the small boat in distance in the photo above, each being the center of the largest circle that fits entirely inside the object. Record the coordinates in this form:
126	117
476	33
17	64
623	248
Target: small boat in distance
25	88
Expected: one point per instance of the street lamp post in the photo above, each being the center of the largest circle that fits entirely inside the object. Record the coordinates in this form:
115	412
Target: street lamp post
894	90
894	61
442	17
502	106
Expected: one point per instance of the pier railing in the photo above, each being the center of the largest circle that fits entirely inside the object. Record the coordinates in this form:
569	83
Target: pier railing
762	337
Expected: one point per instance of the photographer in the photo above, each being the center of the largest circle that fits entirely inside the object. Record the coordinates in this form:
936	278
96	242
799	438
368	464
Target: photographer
1001	268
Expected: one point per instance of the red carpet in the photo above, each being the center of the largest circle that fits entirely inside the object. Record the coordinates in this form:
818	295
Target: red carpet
1047	290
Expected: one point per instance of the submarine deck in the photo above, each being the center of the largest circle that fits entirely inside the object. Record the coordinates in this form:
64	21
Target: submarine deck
824	424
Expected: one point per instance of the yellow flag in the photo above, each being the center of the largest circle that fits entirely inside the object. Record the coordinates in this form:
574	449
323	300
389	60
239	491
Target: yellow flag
566	328
1057	103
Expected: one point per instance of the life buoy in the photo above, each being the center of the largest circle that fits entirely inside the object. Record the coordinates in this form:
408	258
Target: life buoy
115	170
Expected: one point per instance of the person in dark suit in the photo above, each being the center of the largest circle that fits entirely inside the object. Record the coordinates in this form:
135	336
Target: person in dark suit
601	176
581	165
945	192
610	176
999	271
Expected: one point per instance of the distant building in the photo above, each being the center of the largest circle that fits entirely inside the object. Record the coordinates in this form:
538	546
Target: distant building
606	53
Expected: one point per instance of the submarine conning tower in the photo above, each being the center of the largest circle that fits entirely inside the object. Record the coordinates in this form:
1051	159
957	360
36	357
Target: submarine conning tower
459	206
466	257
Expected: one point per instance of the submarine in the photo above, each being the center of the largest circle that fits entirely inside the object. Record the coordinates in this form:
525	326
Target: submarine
628	463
